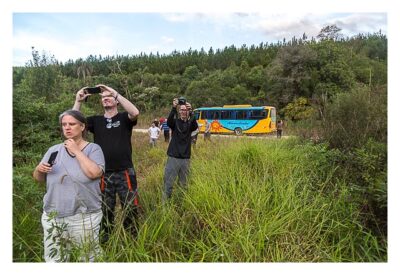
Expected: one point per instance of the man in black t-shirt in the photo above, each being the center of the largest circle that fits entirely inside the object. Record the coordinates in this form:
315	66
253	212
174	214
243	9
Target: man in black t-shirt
179	149
113	131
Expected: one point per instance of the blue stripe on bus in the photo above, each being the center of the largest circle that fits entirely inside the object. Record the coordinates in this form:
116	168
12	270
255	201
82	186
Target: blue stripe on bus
233	124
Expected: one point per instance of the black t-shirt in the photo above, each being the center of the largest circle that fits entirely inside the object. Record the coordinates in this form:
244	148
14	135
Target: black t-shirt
114	137
180	144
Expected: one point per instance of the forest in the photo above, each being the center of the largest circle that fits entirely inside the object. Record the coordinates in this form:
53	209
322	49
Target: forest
330	90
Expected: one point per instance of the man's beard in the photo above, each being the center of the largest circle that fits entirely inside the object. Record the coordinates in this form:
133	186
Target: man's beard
184	118
108	108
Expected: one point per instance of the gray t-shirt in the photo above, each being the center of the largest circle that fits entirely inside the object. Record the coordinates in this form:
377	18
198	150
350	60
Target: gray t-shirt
69	190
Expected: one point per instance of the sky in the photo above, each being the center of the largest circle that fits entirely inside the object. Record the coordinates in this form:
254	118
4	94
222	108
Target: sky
71	29
78	35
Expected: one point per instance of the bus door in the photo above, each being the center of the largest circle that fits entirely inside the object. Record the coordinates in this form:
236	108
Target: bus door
273	119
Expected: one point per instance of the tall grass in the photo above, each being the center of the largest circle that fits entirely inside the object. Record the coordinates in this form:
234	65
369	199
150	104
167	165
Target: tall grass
247	201
27	210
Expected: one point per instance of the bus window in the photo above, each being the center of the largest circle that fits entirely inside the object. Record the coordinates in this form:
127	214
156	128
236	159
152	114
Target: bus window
215	114
197	114
273	114
242	114
211	114
258	114
226	114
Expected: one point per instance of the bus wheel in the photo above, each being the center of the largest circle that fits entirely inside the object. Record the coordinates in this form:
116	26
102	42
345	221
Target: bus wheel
238	131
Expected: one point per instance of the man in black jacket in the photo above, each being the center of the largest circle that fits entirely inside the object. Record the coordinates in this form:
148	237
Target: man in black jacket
182	125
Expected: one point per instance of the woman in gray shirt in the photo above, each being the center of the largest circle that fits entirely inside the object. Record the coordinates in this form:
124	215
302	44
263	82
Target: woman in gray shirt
72	203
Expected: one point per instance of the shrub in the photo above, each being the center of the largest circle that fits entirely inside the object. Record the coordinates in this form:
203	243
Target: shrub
368	171
353	118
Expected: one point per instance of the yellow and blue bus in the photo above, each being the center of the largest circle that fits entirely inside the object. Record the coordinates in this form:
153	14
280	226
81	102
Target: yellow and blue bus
237	119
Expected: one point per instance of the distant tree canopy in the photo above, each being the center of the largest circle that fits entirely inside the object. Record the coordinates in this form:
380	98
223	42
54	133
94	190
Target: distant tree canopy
266	74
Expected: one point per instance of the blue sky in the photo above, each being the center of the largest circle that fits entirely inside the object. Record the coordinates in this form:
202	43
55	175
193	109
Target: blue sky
78	35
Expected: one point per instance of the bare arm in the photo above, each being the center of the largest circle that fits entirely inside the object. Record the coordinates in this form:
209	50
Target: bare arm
80	96
172	114
41	171
88	166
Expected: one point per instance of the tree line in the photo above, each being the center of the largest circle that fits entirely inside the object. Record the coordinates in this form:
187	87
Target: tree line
266	74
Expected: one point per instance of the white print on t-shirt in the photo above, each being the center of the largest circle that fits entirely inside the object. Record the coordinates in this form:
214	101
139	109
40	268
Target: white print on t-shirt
109	125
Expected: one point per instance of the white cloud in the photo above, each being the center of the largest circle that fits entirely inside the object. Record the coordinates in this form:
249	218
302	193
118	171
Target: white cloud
66	46
167	40
281	26
362	23
24	41
182	17
225	28
278	27
285	25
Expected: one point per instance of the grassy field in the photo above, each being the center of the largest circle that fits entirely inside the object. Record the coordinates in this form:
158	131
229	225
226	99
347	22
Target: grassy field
248	200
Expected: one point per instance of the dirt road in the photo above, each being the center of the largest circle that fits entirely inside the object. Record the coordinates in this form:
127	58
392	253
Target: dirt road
224	136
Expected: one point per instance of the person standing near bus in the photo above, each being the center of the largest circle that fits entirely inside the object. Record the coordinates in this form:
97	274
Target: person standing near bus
154	133
279	128
164	127
113	131
182	125
207	130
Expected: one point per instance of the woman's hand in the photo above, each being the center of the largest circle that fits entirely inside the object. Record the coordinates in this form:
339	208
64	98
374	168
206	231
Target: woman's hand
41	171
44	168
71	145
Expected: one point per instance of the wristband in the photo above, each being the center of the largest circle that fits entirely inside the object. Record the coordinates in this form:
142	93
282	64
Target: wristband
116	96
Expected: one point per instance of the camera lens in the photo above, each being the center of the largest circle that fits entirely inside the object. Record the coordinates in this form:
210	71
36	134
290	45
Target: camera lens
182	101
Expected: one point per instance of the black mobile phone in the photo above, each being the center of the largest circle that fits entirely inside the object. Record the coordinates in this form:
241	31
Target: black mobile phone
52	158
93	90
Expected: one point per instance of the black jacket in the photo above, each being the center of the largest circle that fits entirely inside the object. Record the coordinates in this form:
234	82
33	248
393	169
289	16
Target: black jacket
180	145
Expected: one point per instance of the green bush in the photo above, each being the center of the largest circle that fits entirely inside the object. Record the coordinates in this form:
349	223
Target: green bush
368	173
353	118
356	124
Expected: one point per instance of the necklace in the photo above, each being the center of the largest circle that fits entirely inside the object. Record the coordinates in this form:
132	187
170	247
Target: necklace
82	145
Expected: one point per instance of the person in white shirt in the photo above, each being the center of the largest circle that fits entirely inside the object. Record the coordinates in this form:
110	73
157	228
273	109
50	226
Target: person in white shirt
154	133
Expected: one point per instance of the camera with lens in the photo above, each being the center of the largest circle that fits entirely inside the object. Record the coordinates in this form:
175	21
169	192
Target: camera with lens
181	101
